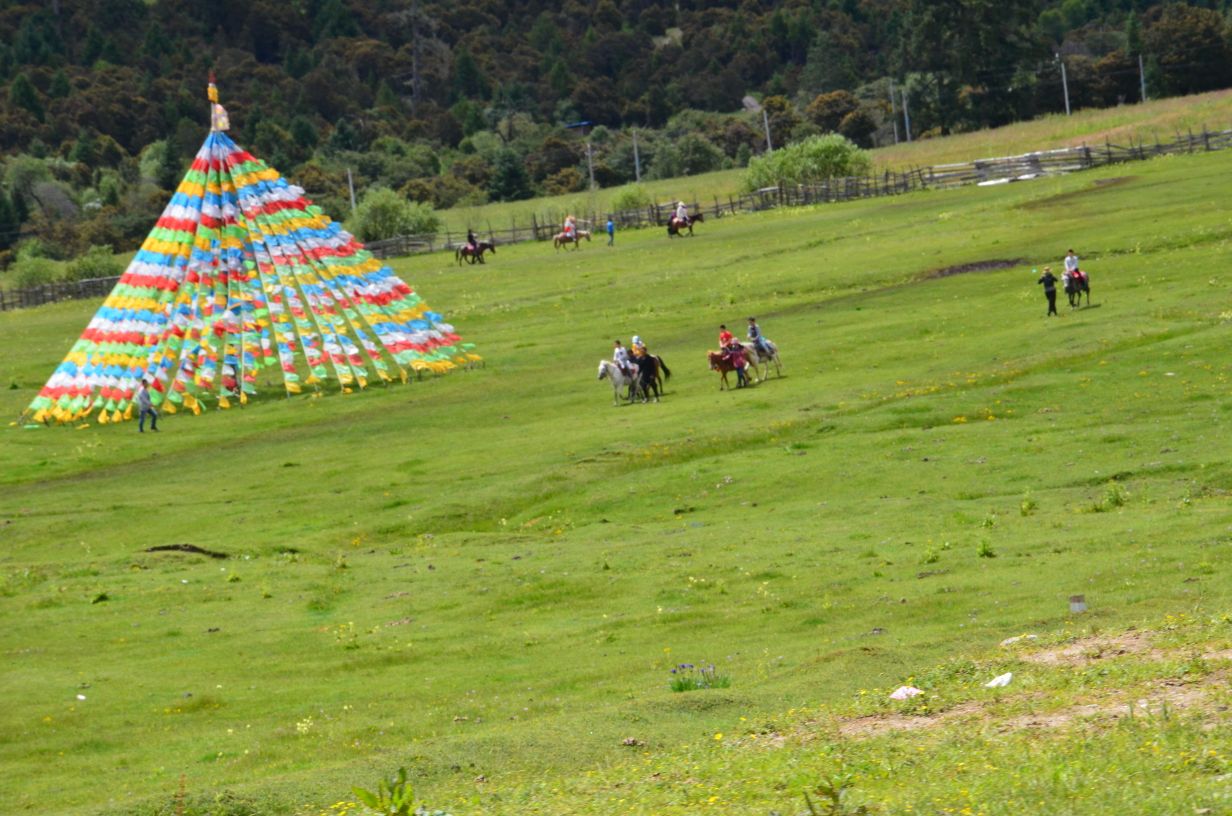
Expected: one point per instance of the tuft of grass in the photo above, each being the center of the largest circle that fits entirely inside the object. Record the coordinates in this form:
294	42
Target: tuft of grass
690	677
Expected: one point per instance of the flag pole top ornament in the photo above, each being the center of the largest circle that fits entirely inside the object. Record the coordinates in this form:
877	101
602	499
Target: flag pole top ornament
219	120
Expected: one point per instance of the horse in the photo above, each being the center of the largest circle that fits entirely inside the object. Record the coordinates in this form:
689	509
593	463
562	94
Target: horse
661	372
561	239
760	361
674	227
648	380
720	362
610	371
1075	285
465	252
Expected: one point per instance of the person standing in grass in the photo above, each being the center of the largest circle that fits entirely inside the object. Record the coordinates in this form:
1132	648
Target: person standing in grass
146	406
1049	282
611	231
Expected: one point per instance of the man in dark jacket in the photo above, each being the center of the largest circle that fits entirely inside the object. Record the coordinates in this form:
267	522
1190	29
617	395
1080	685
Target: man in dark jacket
1049	282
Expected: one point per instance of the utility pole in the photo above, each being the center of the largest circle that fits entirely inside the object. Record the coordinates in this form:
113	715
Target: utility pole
906	115
1142	77
590	165
1064	83
765	118
637	162
893	111
415	86
351	187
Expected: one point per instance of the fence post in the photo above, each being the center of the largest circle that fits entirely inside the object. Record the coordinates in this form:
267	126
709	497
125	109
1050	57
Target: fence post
1206	137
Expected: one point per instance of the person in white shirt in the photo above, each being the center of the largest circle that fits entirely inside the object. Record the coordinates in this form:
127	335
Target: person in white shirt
1071	262
682	213
620	356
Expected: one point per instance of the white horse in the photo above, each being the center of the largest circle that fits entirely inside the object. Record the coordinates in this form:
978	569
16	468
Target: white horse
760	362
610	371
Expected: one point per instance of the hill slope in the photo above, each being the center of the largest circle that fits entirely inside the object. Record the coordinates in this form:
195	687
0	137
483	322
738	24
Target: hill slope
487	577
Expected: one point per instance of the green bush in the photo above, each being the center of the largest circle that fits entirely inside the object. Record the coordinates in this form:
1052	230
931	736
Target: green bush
30	270
96	262
385	214
631	197
807	162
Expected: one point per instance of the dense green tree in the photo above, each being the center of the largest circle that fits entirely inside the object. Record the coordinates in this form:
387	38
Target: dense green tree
1190	46
170	169
23	95
510	181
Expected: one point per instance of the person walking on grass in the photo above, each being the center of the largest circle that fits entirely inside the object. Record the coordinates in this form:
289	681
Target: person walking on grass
1049	282
611	231
146	406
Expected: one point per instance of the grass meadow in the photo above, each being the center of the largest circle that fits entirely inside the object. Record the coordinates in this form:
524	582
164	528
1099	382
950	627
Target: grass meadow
487	577
1157	119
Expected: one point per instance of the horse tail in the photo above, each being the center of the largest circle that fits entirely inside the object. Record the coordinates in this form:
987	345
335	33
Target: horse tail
667	372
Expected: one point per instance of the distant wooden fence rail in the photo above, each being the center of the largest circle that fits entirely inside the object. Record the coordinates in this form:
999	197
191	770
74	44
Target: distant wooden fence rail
938	177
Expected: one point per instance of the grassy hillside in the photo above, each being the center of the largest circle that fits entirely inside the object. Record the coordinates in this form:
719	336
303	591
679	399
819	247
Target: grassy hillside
1157	119
488	577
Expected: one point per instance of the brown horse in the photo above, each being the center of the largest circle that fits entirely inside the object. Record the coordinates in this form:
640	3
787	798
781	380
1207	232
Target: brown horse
674	227
465	253
561	239
721	363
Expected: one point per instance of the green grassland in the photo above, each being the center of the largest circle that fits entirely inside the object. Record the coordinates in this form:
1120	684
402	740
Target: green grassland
1158	119
486	577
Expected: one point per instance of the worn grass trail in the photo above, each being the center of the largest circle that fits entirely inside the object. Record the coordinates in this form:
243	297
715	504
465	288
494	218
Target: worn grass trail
490	574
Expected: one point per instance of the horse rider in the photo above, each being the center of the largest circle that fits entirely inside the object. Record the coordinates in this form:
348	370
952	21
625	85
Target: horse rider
682	214
639	348
726	338
759	342
1071	263
620	356
472	243
570	228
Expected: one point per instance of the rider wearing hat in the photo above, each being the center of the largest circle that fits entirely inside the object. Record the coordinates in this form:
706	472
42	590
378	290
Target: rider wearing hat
682	214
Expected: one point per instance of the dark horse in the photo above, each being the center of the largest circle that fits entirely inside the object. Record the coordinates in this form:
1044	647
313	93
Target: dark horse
465	253
674	227
646	383
661	372
1077	284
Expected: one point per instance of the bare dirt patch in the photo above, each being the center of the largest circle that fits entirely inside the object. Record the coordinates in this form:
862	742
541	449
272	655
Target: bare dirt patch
974	266
1088	650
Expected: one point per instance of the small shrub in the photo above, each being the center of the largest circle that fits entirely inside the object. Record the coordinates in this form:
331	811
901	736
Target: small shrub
687	677
812	160
96	262
385	214
1028	505
393	797
1114	496
931	556
29	271
990	521
631	197
985	550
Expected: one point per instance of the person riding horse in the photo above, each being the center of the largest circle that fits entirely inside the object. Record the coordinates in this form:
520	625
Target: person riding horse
760	343
472	243
622	358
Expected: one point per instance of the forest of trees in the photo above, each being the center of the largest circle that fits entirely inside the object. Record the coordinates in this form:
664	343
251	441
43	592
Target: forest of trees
466	101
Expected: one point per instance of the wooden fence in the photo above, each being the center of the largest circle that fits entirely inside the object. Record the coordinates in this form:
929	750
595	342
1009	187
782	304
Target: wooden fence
938	177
